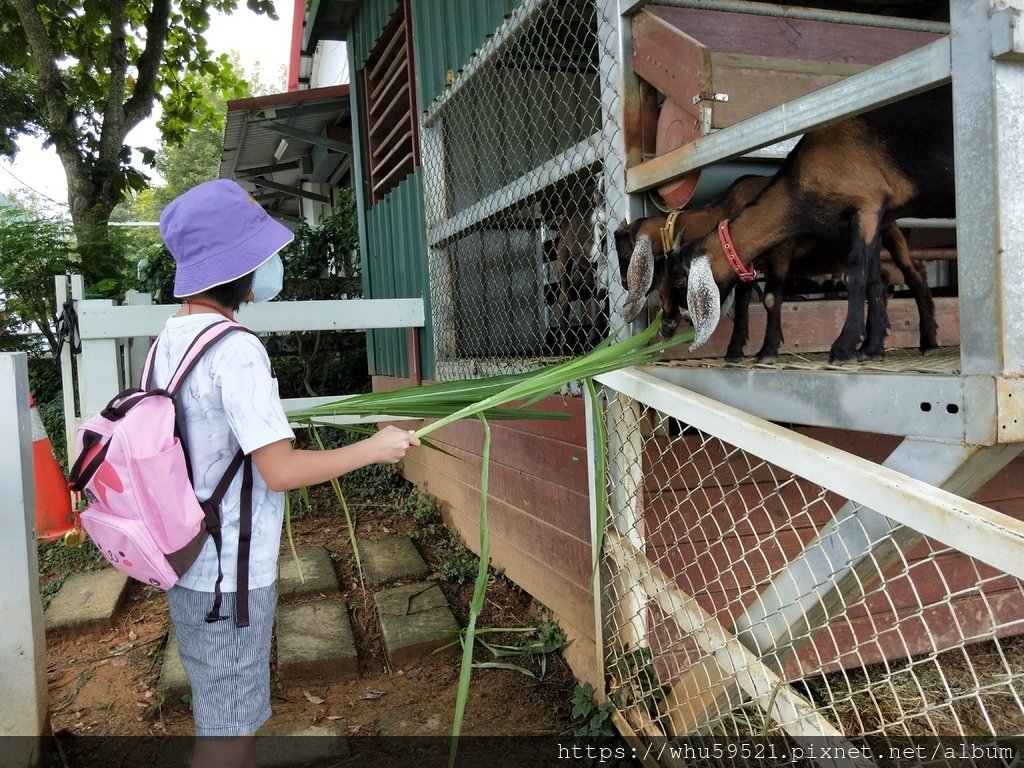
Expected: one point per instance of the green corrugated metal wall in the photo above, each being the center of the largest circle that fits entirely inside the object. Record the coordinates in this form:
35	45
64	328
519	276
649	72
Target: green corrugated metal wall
446	32
394	252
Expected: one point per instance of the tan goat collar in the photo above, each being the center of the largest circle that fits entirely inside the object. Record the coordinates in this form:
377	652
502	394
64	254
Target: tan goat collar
668	232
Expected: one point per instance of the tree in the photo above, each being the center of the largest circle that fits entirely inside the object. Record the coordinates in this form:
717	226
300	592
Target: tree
33	250
96	70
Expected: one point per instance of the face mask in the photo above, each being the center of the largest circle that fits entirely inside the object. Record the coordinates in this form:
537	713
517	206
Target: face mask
268	279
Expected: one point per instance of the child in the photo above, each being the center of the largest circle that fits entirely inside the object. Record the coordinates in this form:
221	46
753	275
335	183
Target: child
225	249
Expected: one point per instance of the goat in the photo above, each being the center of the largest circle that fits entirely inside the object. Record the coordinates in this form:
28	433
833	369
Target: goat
806	258
857	175
642	247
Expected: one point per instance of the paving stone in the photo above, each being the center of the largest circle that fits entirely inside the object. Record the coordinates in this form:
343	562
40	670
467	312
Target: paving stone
318	575
401	725
87	601
391	559
277	746
314	640
300	744
173	680
415	620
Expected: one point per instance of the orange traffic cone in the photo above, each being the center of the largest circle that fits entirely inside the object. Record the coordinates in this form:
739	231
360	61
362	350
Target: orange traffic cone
53	502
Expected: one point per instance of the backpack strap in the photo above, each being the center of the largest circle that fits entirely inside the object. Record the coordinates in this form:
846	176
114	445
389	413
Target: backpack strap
200	344
244	540
211	508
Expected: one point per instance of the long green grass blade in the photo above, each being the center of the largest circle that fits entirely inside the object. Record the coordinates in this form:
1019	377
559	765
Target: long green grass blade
288	532
479	590
349	524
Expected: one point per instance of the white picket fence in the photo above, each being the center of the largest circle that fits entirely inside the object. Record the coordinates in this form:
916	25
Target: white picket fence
111	360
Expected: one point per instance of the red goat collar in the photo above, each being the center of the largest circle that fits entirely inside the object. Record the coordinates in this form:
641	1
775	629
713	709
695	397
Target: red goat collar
745	273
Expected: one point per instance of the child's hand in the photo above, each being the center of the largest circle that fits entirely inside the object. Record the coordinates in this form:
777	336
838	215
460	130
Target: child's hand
390	444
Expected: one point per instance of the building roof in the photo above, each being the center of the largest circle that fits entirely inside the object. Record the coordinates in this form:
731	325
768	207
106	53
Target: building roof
275	143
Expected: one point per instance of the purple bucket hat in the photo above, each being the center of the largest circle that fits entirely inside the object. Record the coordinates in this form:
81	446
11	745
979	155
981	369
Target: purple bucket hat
217	232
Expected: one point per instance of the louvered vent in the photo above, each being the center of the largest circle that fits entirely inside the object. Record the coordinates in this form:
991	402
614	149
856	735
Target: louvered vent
389	85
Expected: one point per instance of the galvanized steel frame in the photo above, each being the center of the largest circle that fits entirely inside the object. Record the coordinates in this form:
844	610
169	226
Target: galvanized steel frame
948	452
983	58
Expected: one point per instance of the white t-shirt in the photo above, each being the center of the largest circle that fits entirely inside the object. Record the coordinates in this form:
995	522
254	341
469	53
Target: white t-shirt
229	399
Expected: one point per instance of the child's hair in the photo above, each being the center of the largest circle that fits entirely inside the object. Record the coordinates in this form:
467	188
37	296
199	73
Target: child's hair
232	294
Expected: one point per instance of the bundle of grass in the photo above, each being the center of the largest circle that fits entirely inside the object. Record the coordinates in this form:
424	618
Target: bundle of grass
491	398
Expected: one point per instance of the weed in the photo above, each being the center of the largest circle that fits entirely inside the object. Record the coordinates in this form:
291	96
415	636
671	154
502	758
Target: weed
637	685
423	508
57	562
537	644
459	565
591	720
460	569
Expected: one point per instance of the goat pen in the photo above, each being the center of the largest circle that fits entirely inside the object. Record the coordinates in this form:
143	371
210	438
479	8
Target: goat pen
791	550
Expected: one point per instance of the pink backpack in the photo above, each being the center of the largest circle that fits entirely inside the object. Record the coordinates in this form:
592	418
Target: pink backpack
133	468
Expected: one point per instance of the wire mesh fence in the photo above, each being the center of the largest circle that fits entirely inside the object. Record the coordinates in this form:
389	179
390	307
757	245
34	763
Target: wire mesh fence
743	600
515	203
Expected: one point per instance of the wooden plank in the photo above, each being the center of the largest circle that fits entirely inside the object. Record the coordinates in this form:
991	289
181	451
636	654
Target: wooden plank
541	543
550	502
723	31
670	60
683	462
851	642
812	326
785	706
761	509
547	458
1007	486
753	86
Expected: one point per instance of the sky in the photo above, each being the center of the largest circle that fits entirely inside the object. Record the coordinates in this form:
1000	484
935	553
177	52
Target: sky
257	39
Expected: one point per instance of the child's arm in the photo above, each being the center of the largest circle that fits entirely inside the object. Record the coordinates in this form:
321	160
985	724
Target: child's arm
285	467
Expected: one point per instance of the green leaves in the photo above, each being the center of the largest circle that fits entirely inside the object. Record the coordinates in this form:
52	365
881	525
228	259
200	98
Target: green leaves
494	396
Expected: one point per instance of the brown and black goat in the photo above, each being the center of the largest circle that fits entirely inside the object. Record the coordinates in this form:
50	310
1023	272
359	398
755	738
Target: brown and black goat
642	247
641	251
843	185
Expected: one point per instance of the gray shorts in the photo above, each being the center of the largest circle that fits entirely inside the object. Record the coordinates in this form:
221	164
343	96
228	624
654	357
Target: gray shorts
228	667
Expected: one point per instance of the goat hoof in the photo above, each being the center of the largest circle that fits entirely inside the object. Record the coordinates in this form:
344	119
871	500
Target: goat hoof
767	358
839	356
929	351
733	356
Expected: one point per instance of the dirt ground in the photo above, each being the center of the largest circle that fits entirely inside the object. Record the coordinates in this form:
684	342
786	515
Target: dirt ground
104	683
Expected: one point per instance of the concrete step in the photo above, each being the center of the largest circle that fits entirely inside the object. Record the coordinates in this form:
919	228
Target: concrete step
415	621
315	641
278	746
389	560
173	680
312	575
87	601
314	637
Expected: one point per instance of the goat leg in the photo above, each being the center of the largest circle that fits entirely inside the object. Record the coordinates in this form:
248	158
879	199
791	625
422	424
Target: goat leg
877	326
856	275
773	296
896	244
740	321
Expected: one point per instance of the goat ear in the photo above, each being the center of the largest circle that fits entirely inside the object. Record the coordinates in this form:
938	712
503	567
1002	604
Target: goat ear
703	300
639	276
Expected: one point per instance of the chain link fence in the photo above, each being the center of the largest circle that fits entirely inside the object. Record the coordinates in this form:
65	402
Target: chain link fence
513	159
745	600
